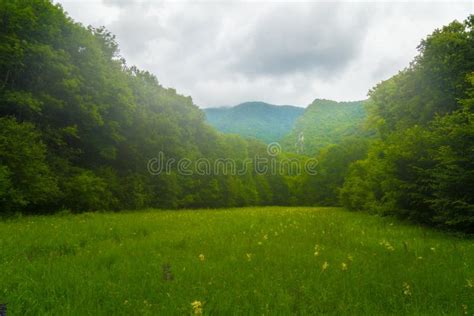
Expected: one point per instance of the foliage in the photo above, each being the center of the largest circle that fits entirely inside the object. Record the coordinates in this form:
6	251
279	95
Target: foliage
325	123
333	166
422	166
25	178
97	122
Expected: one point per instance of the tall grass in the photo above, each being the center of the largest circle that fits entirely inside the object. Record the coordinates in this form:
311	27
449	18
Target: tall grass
272	260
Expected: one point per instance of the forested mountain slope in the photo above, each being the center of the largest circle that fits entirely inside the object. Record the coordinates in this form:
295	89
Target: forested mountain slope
323	123
263	121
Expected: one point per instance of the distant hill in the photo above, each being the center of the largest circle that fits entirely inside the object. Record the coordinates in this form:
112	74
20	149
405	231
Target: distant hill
260	120
325	122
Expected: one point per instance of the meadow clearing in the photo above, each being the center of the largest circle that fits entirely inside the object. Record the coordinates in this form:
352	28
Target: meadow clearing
265	261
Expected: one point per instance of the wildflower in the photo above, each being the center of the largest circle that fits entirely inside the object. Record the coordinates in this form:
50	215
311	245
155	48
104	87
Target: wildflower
125	302
470	283
202	257
317	248
343	266
265	236
325	265
433	249
197	307
406	289
387	245
249	257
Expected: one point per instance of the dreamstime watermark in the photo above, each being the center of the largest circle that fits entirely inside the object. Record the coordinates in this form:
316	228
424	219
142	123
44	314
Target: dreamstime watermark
270	164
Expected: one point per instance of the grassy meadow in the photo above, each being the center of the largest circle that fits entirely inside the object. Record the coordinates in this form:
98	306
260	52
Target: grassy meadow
265	261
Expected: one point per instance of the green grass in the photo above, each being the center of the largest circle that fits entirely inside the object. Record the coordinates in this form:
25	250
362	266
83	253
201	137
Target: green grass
113	263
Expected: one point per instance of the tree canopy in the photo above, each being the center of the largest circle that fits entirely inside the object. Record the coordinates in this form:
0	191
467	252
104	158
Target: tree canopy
79	126
421	167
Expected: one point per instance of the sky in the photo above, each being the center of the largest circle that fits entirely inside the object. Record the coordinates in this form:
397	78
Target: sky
225	53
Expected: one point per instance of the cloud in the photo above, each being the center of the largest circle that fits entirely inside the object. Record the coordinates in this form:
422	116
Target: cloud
224	53
290	38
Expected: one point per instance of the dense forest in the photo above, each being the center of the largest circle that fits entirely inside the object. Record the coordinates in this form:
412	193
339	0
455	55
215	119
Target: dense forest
78	126
325	123
263	121
421	166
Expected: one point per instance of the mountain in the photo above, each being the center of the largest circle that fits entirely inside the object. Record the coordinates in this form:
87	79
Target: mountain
325	122
260	120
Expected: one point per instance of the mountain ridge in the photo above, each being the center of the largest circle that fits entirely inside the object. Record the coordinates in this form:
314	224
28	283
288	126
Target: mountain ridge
255	119
325	122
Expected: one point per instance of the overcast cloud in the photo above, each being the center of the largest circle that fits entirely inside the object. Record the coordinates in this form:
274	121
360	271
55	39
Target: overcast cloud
225	53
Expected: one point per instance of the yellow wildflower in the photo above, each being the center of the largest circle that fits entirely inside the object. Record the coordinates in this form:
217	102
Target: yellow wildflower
202	257
470	283
265	236
249	257
325	265
387	245
406	289
343	266
317	248
197	307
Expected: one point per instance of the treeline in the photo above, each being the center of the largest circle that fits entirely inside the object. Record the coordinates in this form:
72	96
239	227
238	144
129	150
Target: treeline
78	126
421	166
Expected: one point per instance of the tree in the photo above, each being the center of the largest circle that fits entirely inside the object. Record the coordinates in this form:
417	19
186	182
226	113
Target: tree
421	167
25	178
